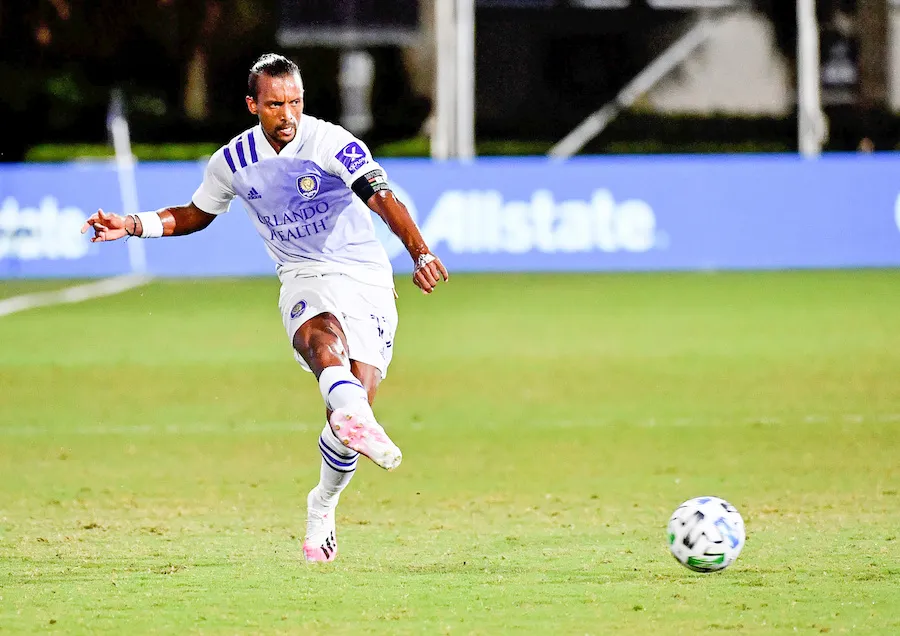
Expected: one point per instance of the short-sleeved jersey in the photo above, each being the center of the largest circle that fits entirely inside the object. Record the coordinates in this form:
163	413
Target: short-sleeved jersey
300	199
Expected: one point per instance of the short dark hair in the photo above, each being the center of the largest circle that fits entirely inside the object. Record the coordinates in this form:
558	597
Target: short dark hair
271	64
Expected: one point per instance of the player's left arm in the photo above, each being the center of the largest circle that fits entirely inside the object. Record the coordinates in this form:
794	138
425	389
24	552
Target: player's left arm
372	188
347	157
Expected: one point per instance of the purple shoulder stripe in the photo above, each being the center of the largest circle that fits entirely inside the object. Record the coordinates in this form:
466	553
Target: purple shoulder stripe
239	146
229	159
251	143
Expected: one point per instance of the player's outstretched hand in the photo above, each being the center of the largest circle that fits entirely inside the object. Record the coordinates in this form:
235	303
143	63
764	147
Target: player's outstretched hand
107	227
429	270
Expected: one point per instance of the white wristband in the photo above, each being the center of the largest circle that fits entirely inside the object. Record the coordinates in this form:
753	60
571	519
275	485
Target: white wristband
151	225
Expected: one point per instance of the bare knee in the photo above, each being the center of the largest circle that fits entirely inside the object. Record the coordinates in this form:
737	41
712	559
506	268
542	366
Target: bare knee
321	343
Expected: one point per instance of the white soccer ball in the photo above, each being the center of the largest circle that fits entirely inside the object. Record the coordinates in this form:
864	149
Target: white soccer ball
706	534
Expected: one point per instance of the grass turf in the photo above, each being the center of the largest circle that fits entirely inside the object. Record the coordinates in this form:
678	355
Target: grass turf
156	448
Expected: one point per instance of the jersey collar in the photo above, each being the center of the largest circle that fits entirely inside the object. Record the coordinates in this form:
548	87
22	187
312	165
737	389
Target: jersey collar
265	149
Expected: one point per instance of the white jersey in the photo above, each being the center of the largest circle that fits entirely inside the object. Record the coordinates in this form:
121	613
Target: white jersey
300	200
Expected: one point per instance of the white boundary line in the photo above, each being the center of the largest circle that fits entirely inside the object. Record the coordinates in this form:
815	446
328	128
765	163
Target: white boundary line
77	294
284	426
250	428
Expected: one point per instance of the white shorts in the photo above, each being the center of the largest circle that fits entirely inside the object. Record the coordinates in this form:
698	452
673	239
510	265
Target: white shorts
367	313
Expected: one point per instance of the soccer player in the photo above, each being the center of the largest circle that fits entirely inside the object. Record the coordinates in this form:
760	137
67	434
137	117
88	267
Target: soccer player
308	186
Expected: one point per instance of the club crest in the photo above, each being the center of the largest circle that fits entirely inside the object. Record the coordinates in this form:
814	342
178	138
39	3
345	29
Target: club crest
298	309
308	186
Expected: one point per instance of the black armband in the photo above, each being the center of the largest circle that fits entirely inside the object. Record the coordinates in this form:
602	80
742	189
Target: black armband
370	183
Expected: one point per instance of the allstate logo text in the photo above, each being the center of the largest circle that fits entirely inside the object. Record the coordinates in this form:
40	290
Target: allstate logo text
481	221
46	231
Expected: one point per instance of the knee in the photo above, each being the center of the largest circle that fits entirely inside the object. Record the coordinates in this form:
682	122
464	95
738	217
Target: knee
327	337
321	342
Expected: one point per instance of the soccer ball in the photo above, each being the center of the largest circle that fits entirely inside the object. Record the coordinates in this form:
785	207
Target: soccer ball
706	534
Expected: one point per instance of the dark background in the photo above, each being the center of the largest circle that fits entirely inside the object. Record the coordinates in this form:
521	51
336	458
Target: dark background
542	66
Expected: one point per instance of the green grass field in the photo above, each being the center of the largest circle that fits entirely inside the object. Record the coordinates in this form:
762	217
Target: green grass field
156	448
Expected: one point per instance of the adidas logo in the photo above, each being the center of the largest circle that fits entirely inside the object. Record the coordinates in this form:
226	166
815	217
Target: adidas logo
329	546
253	194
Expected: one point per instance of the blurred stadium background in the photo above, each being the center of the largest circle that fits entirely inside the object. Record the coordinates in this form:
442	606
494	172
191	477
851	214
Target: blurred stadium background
673	229
541	66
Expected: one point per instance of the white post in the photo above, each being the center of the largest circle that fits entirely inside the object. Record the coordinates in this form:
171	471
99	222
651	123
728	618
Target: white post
465	79
117	125
811	125
355	79
442	137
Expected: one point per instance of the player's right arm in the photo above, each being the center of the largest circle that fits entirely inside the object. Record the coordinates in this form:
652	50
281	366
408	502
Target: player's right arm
211	199
174	221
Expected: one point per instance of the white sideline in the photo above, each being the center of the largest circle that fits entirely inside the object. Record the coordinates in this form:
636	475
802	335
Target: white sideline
77	294
284	426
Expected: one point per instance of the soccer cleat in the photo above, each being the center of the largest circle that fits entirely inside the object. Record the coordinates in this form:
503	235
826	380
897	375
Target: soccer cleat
320	544
363	434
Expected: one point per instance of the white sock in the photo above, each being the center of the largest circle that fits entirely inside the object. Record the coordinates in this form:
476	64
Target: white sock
341	389
338	466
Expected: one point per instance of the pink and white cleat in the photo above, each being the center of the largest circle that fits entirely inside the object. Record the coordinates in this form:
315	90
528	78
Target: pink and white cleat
320	544
360	432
